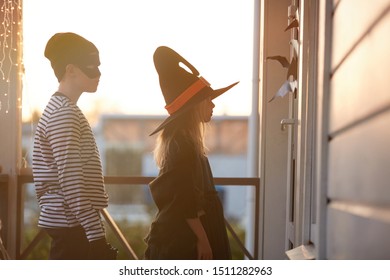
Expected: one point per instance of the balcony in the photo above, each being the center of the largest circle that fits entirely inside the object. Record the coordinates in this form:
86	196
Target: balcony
23	251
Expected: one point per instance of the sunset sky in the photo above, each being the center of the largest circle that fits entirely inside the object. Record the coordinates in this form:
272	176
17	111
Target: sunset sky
216	36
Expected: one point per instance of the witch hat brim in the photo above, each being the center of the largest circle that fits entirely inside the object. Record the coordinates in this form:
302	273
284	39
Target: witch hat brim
213	94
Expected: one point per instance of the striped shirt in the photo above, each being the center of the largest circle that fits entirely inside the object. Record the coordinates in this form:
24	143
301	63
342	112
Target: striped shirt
67	170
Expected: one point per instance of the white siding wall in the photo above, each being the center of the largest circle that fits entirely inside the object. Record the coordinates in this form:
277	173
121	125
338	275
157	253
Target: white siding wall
358	216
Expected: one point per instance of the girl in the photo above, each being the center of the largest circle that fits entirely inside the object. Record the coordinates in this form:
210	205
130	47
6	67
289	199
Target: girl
190	222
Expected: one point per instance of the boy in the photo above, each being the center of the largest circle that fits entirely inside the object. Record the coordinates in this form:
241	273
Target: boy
66	163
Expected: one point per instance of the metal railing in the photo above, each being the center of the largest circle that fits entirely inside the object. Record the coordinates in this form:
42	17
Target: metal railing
127	180
3	252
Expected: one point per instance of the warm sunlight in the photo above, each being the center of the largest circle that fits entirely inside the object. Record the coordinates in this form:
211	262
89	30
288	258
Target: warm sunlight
215	36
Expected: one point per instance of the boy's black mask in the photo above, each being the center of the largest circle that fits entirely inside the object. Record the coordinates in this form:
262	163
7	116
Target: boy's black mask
89	64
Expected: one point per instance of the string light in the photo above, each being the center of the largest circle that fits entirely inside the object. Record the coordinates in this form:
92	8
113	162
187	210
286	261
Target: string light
11	20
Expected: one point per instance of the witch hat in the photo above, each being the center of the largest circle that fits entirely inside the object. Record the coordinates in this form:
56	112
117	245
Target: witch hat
181	89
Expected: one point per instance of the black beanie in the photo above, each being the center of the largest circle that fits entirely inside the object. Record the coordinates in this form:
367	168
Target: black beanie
69	48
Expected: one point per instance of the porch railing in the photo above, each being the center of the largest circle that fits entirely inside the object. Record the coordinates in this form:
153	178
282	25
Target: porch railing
125	180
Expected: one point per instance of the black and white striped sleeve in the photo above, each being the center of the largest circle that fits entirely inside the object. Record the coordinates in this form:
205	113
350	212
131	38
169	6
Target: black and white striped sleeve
64	135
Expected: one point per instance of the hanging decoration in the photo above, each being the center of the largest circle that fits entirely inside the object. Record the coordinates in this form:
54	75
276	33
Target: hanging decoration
290	85
10	40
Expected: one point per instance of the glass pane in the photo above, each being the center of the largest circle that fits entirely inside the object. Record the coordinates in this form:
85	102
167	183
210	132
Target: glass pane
215	36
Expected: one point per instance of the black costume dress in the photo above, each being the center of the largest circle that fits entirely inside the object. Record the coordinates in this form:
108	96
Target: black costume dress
185	189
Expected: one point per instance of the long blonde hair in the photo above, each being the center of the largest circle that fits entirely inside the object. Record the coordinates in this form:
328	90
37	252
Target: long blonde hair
190	126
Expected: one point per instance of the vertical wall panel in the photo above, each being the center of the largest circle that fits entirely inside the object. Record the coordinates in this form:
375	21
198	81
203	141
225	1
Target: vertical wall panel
273	164
353	235
351	20
361	85
359	163
358	216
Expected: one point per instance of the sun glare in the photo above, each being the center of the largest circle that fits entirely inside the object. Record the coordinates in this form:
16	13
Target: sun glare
215	36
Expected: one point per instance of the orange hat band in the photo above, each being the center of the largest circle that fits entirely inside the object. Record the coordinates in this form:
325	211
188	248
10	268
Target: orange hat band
187	95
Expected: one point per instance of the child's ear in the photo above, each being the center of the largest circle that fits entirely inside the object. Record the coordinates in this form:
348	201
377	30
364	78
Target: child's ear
70	69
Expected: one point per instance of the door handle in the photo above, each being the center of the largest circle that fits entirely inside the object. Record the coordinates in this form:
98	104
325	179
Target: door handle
285	122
